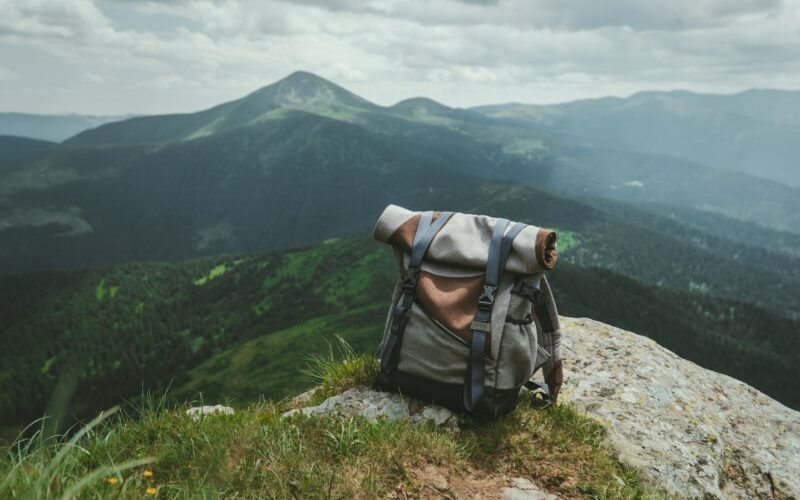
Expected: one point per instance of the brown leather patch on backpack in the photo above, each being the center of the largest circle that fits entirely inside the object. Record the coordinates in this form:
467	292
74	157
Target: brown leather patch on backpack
453	302
403	237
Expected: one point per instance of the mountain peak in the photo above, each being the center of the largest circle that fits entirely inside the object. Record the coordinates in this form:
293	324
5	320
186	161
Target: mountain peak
303	88
425	103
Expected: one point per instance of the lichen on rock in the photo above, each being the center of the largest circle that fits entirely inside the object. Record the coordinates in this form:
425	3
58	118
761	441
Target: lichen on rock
695	432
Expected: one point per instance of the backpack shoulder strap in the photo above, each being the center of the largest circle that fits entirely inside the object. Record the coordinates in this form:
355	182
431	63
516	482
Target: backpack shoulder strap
427	229
499	249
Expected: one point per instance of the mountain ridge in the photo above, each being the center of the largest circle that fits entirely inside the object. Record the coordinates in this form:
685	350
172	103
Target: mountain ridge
224	185
297	91
753	132
51	127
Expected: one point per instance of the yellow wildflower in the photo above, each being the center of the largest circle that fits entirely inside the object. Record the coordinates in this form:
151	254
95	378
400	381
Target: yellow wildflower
147	473
112	480
151	490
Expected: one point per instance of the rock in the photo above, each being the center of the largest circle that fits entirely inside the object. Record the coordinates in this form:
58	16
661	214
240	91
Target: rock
522	489
200	411
695	432
303	399
372	405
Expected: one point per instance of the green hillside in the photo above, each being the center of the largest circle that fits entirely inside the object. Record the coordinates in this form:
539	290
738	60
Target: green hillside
304	160
13	147
240	327
541	152
237	192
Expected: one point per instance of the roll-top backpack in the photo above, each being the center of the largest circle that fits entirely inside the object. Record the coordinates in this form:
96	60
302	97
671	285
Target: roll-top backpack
472	315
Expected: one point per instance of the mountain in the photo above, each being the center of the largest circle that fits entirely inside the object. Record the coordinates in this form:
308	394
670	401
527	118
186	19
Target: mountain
54	128
300	91
303	160
510	149
238	327
13	147
775	106
750	132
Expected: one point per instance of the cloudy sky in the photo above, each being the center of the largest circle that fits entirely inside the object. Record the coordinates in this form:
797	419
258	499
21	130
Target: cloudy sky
138	56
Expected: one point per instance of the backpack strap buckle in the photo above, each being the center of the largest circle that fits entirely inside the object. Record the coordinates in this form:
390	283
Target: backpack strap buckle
410	283
486	300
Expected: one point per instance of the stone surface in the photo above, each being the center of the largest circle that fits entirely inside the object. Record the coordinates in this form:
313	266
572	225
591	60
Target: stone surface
695	432
199	411
304	398
372	404
522	489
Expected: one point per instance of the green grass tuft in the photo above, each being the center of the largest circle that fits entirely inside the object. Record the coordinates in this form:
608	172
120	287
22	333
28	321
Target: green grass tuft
341	368
41	467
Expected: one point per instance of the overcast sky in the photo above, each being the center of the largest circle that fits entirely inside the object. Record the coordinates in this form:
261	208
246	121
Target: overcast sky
137	56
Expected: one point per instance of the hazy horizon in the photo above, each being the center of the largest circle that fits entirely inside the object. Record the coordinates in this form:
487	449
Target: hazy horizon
388	104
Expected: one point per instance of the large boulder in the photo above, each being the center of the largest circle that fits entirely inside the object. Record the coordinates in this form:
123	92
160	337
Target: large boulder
695	432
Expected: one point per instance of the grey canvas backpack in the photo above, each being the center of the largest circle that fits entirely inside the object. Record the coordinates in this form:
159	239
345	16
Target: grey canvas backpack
472	316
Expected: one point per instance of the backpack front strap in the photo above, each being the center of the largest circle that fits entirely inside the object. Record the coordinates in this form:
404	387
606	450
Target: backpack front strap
499	249
426	231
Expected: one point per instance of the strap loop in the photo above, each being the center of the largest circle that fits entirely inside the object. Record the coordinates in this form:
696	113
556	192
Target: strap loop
530	292
481	326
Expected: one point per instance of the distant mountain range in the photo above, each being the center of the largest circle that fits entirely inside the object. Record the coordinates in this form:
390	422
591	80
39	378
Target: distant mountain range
756	132
303	160
53	128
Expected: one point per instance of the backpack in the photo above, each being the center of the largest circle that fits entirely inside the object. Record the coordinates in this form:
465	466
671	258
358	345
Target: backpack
472	315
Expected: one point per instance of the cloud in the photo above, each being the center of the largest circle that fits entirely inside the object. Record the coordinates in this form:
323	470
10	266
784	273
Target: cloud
181	55
57	18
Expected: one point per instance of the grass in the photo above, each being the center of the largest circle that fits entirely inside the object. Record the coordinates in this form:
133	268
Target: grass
270	365
339	370
215	272
256	453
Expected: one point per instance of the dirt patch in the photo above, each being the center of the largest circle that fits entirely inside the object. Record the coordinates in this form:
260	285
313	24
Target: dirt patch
431	481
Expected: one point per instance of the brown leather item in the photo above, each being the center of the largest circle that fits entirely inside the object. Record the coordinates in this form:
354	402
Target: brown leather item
546	250
403	237
453	302
555	378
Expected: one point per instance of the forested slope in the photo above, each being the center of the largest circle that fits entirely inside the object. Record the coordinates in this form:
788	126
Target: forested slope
95	336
